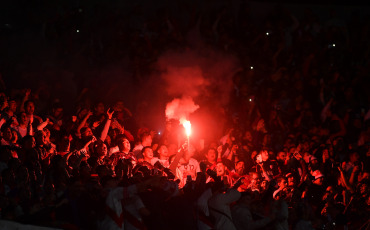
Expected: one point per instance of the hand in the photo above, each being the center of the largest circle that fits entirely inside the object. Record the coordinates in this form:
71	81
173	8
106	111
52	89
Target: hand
219	149
297	156
110	113
93	139
31	118
27	93
48	121
96	124
89	114
83	152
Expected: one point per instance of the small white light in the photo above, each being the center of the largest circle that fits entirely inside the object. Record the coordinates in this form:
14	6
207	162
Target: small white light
77	31
333	45
267	33
251	67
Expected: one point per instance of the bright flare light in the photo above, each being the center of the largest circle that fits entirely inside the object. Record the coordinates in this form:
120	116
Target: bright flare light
187	126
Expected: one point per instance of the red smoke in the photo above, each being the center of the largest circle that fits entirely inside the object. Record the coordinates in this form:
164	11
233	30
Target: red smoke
203	76
180	108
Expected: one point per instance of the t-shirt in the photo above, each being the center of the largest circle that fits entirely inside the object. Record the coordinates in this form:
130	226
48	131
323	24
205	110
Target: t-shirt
183	170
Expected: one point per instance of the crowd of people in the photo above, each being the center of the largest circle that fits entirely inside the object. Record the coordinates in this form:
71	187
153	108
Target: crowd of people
293	154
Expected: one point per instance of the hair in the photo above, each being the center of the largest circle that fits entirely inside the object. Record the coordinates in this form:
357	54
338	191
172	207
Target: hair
144	135
280	179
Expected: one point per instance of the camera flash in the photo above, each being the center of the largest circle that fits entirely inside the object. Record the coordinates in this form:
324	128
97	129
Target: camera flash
267	33
251	67
333	44
77	31
250	99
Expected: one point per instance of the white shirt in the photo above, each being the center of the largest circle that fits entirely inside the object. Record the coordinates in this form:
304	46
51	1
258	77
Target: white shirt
183	170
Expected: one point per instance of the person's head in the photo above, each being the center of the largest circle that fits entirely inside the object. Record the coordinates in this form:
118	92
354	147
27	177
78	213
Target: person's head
82	112
99	108
47	134
313	163
281	156
86	132
124	144
28	142
329	193
40	137
255	179
248	136
119	106
290	179
240	167
211	155
6	133
146	139
29	107
282	182
220	169
325	154
264	185
163	152
364	189
354	156
147	153
100	148
318	178
23	118
57	111
12	106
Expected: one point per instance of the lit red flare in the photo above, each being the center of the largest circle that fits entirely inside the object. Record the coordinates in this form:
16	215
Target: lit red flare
187	126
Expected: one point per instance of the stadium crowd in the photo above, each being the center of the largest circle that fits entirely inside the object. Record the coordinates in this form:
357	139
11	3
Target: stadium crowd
294	153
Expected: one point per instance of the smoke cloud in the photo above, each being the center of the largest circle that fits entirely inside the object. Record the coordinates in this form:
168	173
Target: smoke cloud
201	75
180	108
198	84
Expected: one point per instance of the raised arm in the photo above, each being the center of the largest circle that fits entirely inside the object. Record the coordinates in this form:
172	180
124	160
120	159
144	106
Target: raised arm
25	98
104	133
83	122
29	126
176	160
42	125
